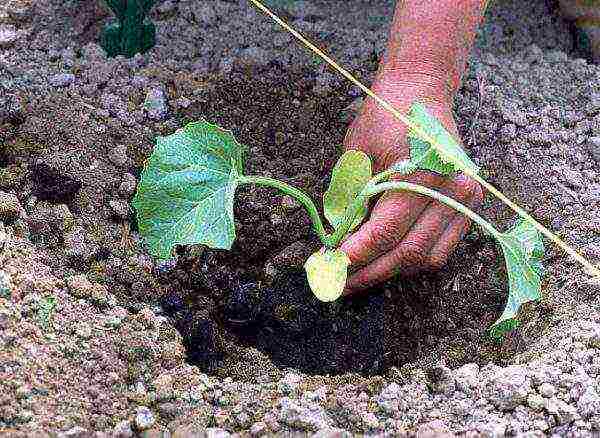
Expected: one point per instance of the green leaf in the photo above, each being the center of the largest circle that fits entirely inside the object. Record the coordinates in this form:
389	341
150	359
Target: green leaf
449	158
327	271
350	175
187	189
523	250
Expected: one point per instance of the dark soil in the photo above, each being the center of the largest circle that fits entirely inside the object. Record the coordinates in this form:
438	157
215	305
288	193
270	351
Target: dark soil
295	135
50	185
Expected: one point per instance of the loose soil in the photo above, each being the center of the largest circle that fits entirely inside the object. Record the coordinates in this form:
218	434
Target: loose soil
248	314
295	135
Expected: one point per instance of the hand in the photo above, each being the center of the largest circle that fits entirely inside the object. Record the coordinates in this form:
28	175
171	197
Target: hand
406	233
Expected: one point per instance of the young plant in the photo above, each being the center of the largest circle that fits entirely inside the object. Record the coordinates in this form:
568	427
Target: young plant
133	33
433	142
187	190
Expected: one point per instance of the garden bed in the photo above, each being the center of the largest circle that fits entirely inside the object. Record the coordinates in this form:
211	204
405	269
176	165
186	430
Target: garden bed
235	340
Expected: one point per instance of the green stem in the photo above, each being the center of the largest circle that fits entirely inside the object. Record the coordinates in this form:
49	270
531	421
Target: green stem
406	186
295	193
354	208
334	239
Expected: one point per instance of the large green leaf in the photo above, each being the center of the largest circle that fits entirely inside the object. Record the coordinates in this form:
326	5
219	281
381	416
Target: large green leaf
523	250
187	189
449	156
327	271
350	175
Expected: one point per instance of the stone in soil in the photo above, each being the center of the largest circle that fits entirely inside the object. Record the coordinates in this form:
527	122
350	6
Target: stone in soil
11	109
593	146
155	104
62	80
8	35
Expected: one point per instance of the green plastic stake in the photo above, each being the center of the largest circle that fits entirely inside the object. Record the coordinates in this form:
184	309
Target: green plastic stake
132	33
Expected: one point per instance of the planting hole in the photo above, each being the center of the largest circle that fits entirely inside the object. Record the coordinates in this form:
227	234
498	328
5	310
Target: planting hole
229	306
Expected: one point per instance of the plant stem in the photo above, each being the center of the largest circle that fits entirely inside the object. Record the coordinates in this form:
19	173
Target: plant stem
295	193
406	186
353	209
334	239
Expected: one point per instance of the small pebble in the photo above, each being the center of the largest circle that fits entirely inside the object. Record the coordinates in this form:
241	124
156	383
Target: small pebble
166	7
62	80
547	390
123	429
81	287
10	207
593	146
205	14
535	402
155	105
20	12
256	56
183	102
289	203
128	185
8	35
258	429
118	155
226	66
119	208
83	330
144	418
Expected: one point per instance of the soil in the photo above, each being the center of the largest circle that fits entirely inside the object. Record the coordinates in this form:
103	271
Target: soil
103	326
414	316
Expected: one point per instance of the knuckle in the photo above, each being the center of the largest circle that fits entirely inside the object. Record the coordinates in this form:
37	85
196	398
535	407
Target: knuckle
416	247
429	179
437	261
409	254
478	195
362	280
463	183
470	188
383	232
392	155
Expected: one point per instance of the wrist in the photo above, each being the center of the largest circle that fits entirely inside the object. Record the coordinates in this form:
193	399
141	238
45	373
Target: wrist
416	80
433	38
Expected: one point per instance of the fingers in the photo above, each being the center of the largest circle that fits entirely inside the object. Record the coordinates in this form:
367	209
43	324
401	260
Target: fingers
427	244
454	233
412	251
394	214
382	233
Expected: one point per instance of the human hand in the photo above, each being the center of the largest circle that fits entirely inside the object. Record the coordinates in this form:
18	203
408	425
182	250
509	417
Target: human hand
406	232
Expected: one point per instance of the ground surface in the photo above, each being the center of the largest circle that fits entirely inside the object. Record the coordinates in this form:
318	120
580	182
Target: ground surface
95	335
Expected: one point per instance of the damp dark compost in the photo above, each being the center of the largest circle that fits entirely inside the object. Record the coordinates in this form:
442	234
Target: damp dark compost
223	302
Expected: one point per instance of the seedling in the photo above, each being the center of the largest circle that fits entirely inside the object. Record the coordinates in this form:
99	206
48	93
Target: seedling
133	33
187	190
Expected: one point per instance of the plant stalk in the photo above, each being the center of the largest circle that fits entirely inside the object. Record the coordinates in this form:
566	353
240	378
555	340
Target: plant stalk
334	239
353	209
406	186
295	193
